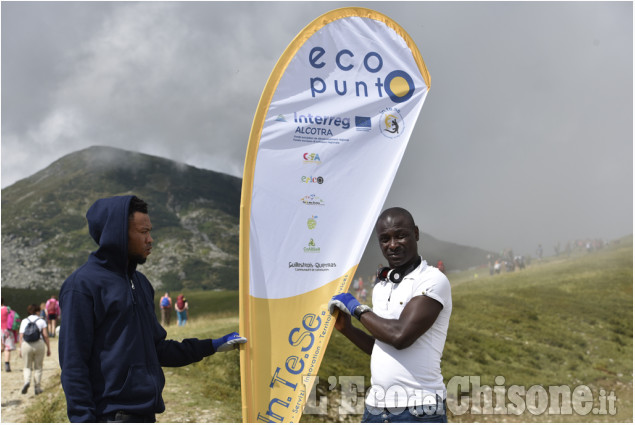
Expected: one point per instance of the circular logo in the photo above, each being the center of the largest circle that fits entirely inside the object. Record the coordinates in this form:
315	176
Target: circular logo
399	86
391	123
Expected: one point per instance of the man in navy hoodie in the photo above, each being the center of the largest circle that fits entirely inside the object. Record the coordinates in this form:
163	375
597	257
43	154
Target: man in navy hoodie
112	347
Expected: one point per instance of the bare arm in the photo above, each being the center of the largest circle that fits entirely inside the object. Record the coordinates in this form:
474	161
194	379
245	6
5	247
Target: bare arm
357	336
415	319
45	336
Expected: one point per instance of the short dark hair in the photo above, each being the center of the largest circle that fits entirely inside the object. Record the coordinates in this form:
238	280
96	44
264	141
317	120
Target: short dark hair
397	211
33	308
137	205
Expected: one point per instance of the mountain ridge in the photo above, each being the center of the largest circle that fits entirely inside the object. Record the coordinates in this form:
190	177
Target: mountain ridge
195	213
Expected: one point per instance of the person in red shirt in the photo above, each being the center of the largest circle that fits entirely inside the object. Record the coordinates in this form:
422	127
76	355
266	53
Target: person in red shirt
52	313
441	266
8	336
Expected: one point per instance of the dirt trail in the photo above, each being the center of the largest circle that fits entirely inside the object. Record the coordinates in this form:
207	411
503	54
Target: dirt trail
177	394
14	402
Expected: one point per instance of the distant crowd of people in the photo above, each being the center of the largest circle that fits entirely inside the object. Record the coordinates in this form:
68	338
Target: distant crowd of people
580	245
509	262
506	261
30	336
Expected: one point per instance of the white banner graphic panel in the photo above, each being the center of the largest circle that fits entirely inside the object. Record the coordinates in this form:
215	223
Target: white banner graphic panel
332	140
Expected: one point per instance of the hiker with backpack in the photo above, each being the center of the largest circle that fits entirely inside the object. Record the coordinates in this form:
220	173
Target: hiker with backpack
181	308
9	320
166	305
53	312
34	342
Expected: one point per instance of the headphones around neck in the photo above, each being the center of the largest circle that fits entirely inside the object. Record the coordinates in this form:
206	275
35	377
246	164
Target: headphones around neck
396	275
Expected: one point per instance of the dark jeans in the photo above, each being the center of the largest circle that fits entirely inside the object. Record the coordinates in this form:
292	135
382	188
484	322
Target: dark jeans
406	414
123	417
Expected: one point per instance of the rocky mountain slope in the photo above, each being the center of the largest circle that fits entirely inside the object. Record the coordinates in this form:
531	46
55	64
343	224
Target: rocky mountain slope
195	213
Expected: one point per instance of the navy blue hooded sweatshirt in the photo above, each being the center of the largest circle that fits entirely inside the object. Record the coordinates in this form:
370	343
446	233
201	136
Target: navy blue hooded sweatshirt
111	346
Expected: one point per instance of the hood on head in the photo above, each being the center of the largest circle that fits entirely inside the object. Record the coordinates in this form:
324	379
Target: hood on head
108	226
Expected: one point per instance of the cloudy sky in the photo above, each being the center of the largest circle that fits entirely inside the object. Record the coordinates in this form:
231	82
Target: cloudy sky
526	137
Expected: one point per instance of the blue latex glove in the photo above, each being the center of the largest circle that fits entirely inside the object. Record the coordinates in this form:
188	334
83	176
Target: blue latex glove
345	302
228	342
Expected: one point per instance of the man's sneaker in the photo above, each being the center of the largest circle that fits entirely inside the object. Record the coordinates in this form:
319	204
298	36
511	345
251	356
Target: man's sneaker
25	388
38	391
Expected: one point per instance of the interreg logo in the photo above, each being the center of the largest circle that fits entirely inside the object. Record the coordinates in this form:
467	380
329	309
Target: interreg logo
312	222
319	125
312	200
391	123
398	85
311	158
311	179
312	248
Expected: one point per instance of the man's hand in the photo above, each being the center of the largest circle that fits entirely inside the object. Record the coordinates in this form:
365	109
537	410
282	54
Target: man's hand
343	322
228	342
345	302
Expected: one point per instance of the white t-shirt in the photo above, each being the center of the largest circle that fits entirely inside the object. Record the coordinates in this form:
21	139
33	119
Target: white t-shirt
41	323
411	376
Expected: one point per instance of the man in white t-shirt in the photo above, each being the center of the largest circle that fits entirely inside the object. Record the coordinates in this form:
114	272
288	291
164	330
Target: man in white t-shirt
408	324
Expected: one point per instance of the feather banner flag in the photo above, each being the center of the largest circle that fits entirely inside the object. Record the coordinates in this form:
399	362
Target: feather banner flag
327	138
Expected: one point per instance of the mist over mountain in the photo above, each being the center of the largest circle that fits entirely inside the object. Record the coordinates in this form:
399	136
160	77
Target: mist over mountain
194	212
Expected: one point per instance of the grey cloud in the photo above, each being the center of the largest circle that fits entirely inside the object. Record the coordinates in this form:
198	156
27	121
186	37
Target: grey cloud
525	137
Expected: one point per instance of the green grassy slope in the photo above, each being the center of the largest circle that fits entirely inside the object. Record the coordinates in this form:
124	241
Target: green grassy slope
563	322
567	322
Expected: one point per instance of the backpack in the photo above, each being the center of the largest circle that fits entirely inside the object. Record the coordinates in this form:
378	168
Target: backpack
180	303
165	302
13	320
51	306
31	332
